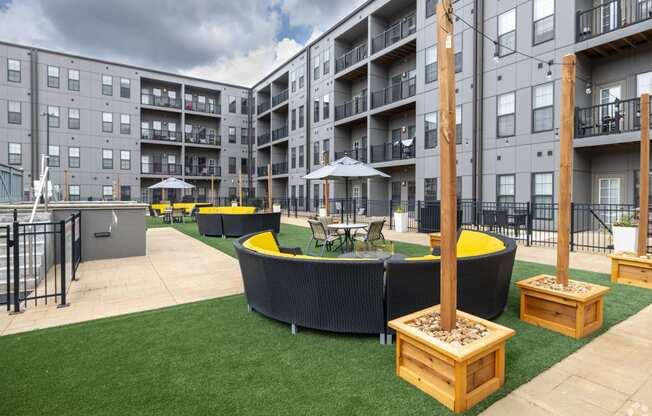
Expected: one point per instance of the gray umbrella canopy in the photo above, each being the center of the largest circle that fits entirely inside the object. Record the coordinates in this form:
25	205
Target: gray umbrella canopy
346	168
172	183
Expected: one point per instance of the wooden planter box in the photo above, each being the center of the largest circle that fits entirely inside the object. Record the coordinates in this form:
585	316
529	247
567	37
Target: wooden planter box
458	377
631	270
435	240
574	315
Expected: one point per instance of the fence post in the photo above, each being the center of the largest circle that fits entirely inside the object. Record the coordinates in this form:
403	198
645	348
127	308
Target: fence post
391	214
73	255
16	246
530	211
354	211
572	227
62	260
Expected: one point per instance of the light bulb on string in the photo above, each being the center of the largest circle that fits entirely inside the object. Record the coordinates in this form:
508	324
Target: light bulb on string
496	53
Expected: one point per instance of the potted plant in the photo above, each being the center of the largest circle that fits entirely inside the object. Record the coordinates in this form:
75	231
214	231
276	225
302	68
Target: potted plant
400	220
625	234
276	207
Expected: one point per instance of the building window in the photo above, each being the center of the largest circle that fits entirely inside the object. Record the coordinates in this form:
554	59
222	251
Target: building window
293	158
54	159
542	107
232	135
458	52
14	114
431	64
327	62
107	85
507	33
544	21
244	105
430	189
53	112
293	119
542	195
293	80
232	165
125	88
107	192
232	104
609	191
302	117
315	116
73	157
326	109
316	68
302	76
53	76
431	8
315	153
13	70
125	160
15	154
107	159
506	114
125	124
73	80
74	193
244	135
458	124
73	118
107	122
505	189
326	148
430	128
301	156
125	192
643	83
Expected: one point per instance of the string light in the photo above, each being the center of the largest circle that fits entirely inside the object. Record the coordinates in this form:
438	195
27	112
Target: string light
549	73
588	88
496	53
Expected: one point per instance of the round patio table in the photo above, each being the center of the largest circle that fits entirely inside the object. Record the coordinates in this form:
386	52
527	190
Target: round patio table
348	239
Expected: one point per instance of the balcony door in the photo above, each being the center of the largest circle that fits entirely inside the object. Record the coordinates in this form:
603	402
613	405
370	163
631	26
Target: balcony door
145	164
608	15
611	117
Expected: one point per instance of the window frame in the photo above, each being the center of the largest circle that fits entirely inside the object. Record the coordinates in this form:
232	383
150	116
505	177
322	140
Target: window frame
19	160
74	196
551	107
431	68
17	116
500	195
609	178
107	126
54	157
124	166
549	211
54	81
125	128
107	89
10	71
326	107
54	120
74	123
499	116
508	51
107	163
534	23
123	88
73	84
72	158
427	141
106	196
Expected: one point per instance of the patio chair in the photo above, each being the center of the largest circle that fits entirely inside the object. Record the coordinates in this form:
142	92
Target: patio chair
321	237
374	232
327	221
154	213
178	215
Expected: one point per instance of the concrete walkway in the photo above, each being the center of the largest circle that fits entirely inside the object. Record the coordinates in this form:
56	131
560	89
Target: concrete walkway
177	269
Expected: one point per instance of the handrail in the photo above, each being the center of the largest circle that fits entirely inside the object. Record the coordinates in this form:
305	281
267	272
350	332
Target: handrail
352	57
610	16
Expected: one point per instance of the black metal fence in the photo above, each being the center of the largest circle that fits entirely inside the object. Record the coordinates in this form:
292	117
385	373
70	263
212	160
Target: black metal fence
40	261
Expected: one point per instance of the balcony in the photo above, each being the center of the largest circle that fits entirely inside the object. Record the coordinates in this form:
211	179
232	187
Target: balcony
401	30
280	98
608	119
280	133
263	107
280	168
389	152
261	171
203	138
610	16
203	107
160	135
203	171
393	93
160	101
351	58
359	154
166	169
357	105
263	139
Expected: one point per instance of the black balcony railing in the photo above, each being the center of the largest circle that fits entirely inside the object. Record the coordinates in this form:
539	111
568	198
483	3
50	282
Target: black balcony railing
351	108
262	171
280	133
610	16
160	169
352	57
203	107
203	138
280	98
160	135
359	154
611	118
263	139
401	30
262	107
393	93
280	168
203	170
388	152
160	101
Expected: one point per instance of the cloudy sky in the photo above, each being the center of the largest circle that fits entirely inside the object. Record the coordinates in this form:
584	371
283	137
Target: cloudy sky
236	41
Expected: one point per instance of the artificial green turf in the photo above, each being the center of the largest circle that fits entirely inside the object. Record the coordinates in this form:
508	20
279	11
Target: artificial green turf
214	357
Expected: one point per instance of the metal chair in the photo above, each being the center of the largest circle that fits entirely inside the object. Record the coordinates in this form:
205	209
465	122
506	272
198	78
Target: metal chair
178	215
374	232
320	235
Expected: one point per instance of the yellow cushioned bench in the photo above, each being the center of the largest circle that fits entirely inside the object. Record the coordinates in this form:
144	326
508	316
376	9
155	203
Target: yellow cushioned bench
160	207
470	244
227	210
189	206
265	243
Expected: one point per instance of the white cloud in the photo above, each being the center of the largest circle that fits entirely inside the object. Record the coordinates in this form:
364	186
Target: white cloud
317	13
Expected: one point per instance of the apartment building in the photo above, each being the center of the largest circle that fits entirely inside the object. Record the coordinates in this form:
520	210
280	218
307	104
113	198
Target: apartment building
366	88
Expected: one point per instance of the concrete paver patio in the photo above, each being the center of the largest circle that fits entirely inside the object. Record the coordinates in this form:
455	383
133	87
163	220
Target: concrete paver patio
177	269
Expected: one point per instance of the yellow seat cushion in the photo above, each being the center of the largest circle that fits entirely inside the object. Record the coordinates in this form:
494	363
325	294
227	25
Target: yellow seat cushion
427	257
160	207
263	241
227	210
474	243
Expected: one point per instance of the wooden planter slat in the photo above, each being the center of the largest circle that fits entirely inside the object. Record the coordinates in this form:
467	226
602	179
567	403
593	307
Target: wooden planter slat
458	377
631	271
574	315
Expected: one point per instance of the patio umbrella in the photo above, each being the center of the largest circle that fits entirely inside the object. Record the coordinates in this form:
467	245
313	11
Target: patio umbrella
172	183
346	168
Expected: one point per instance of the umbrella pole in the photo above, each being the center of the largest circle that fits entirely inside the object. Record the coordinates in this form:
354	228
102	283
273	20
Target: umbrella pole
346	201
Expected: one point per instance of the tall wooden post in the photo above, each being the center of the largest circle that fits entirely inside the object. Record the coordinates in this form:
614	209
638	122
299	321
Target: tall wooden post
446	76
326	185
212	189
240	187
644	176
565	166
66	196
269	186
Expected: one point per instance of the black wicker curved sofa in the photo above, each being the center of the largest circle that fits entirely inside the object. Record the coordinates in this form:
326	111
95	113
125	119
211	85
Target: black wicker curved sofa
361	296
226	223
